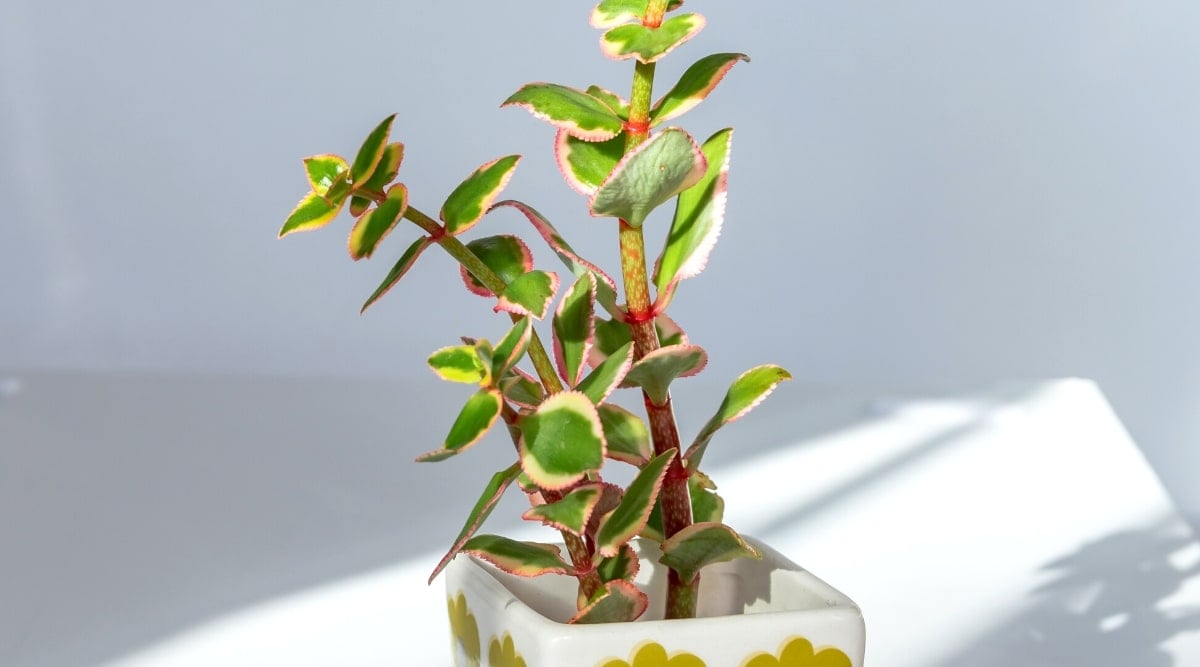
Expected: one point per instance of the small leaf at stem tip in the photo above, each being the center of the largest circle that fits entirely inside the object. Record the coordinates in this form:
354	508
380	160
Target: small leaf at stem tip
376	224
506	255
585	165
359	205
662	167
512	347
626	434
621	602
473	422
520	388
371	152
648	44
611	13
313	212
628	519
482	510
523	559
406	262
655	372
707	506
618	104
561	441
575	329
325	170
387	169
582	115
702	544
750	389
529	294
460	363
624	566
699	217
572	512
469	202
694	86
608	375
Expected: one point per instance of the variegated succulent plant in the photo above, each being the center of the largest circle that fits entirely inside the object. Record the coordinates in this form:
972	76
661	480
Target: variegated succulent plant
562	424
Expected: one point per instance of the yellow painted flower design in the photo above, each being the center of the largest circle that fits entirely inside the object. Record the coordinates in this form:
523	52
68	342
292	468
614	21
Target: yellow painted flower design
799	652
504	654
464	629
654	655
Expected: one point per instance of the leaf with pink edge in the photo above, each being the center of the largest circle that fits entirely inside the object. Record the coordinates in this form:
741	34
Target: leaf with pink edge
707	506
608	375
371	152
460	363
647	44
575	329
624	566
750	389
585	164
313	212
505	254
702	544
571	514
653	530
359	205
470	201
694	86
482	510
612	335
520	388
611	13
387	169
628	519
377	223
626	434
699	216
621	602
512	347
529	294
524	559
655	372
561	441
325	171
406	262
570	109
618	104
473	422
662	167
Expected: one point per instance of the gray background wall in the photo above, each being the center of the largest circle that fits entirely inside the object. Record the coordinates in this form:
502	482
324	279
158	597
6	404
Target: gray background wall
923	192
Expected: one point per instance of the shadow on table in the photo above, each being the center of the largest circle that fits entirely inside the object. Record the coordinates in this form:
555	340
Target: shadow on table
1101	606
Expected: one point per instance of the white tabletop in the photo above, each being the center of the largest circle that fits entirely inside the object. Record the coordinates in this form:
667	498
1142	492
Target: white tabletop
166	521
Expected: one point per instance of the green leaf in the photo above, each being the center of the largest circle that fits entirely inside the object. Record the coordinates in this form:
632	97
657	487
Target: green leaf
607	376
562	441
621	602
653	530
387	169
626	434
750	389
359	205
630	517
371	152
657	370
312	212
648	44
612	335
662	167
694	86
615	12
585	164
470	201
702	544
324	171
406	262
618	104
707	506
575	111
529	294
475	420
506	255
625	565
524	559
377	223
574	329
522	389
699	216
460	363
512	347
483	508
571	514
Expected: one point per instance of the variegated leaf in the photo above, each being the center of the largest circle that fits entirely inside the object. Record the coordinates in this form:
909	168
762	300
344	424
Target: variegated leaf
655	372
618	104
647	44
585	164
625	565
324	171
575	111
707	506
694	86
750	389
520	388
561	441
506	255
470	201
702	544
386	170
473	422
653	530
628	519
313	212
626	434
512	347
377	223
575	329
611	13
359	205
483	508
621	602
460	363
608	375
612	335
524	559
657	170
572	512
371	152
402	266
529	294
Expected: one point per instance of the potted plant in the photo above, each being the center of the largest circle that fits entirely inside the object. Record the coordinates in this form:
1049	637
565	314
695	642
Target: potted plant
646	574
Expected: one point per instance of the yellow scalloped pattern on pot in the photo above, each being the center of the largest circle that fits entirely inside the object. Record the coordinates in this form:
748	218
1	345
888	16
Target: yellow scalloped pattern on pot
464	629
799	652
653	654
504	653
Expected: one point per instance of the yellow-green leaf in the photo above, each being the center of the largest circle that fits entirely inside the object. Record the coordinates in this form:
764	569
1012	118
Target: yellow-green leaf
371	152
406	262
662	167
702	544
324	171
377	223
648	44
657	370
575	329
469	202
621	602
628	519
562	441
524	559
473	422
572	512
626	434
575	111
750	389
312	212
694	86
460	363
529	294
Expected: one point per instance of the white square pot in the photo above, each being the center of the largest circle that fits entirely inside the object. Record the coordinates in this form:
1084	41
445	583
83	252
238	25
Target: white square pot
768	613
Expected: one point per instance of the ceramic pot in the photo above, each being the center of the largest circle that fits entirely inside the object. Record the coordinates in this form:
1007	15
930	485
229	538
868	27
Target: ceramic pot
768	613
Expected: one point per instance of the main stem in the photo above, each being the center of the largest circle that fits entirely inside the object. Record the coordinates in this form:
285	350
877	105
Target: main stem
675	499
